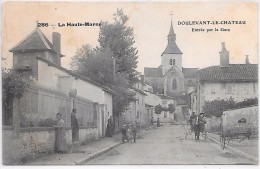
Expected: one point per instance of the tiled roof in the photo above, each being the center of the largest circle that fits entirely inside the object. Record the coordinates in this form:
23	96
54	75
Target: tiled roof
181	101
152	72
189	72
165	96
138	90
235	72
34	41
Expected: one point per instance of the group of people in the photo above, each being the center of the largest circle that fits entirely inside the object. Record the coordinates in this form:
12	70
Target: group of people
60	134
129	132
197	124
157	122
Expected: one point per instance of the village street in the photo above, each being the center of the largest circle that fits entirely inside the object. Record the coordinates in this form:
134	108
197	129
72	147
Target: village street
166	145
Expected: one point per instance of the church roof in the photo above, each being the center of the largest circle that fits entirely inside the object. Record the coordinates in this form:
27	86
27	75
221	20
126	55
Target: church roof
152	72
234	72
172	47
34	41
190	72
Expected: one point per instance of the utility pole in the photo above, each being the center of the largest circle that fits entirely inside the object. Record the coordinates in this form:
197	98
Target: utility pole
114	65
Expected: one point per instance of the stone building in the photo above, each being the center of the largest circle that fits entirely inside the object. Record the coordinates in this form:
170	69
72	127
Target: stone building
239	81
53	89
35	45
171	78
136	112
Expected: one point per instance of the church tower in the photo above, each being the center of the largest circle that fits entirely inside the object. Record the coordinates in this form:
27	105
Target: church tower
172	54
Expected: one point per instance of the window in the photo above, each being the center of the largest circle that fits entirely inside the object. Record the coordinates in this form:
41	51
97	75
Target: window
165	114
137	116
174	84
170	61
229	88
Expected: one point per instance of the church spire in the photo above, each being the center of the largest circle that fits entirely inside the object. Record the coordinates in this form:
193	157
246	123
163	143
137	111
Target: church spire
172	47
171	35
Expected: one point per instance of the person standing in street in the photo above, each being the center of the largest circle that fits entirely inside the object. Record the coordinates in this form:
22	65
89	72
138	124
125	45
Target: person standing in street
109	130
74	126
124	135
134	130
158	122
197	127
60	135
191	121
202	122
152	121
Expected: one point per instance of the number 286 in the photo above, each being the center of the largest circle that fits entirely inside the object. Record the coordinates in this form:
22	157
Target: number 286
43	24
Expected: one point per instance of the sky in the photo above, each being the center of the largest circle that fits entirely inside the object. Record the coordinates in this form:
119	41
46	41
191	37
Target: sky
151	23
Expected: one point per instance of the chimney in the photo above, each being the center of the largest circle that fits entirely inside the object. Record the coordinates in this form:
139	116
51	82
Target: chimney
56	47
224	56
247	59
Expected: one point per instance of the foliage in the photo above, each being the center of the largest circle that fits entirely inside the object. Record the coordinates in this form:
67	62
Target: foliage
124	96
119	38
216	107
187	99
13	87
95	65
47	123
158	109
116	42
171	108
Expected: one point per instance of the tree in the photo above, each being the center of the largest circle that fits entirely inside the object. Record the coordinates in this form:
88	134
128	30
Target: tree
119	38
13	87
171	108
95	65
116	41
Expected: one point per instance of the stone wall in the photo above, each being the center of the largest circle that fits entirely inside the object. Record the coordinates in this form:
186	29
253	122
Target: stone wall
36	141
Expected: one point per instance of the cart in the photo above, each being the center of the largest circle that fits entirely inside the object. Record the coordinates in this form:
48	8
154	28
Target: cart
238	124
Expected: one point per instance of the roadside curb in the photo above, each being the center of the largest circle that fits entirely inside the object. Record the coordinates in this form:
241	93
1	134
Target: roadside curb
96	154
237	152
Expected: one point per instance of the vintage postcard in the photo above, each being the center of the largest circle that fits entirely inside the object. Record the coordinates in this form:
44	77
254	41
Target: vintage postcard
135	83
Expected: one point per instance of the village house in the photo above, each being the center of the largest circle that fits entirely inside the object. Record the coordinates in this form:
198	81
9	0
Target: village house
239	81
53	89
153	99
135	112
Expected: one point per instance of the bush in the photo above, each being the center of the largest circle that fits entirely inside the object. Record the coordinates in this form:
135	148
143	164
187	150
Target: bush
158	109
217	107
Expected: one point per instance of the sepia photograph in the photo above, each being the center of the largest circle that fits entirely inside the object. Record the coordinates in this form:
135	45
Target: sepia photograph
130	83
